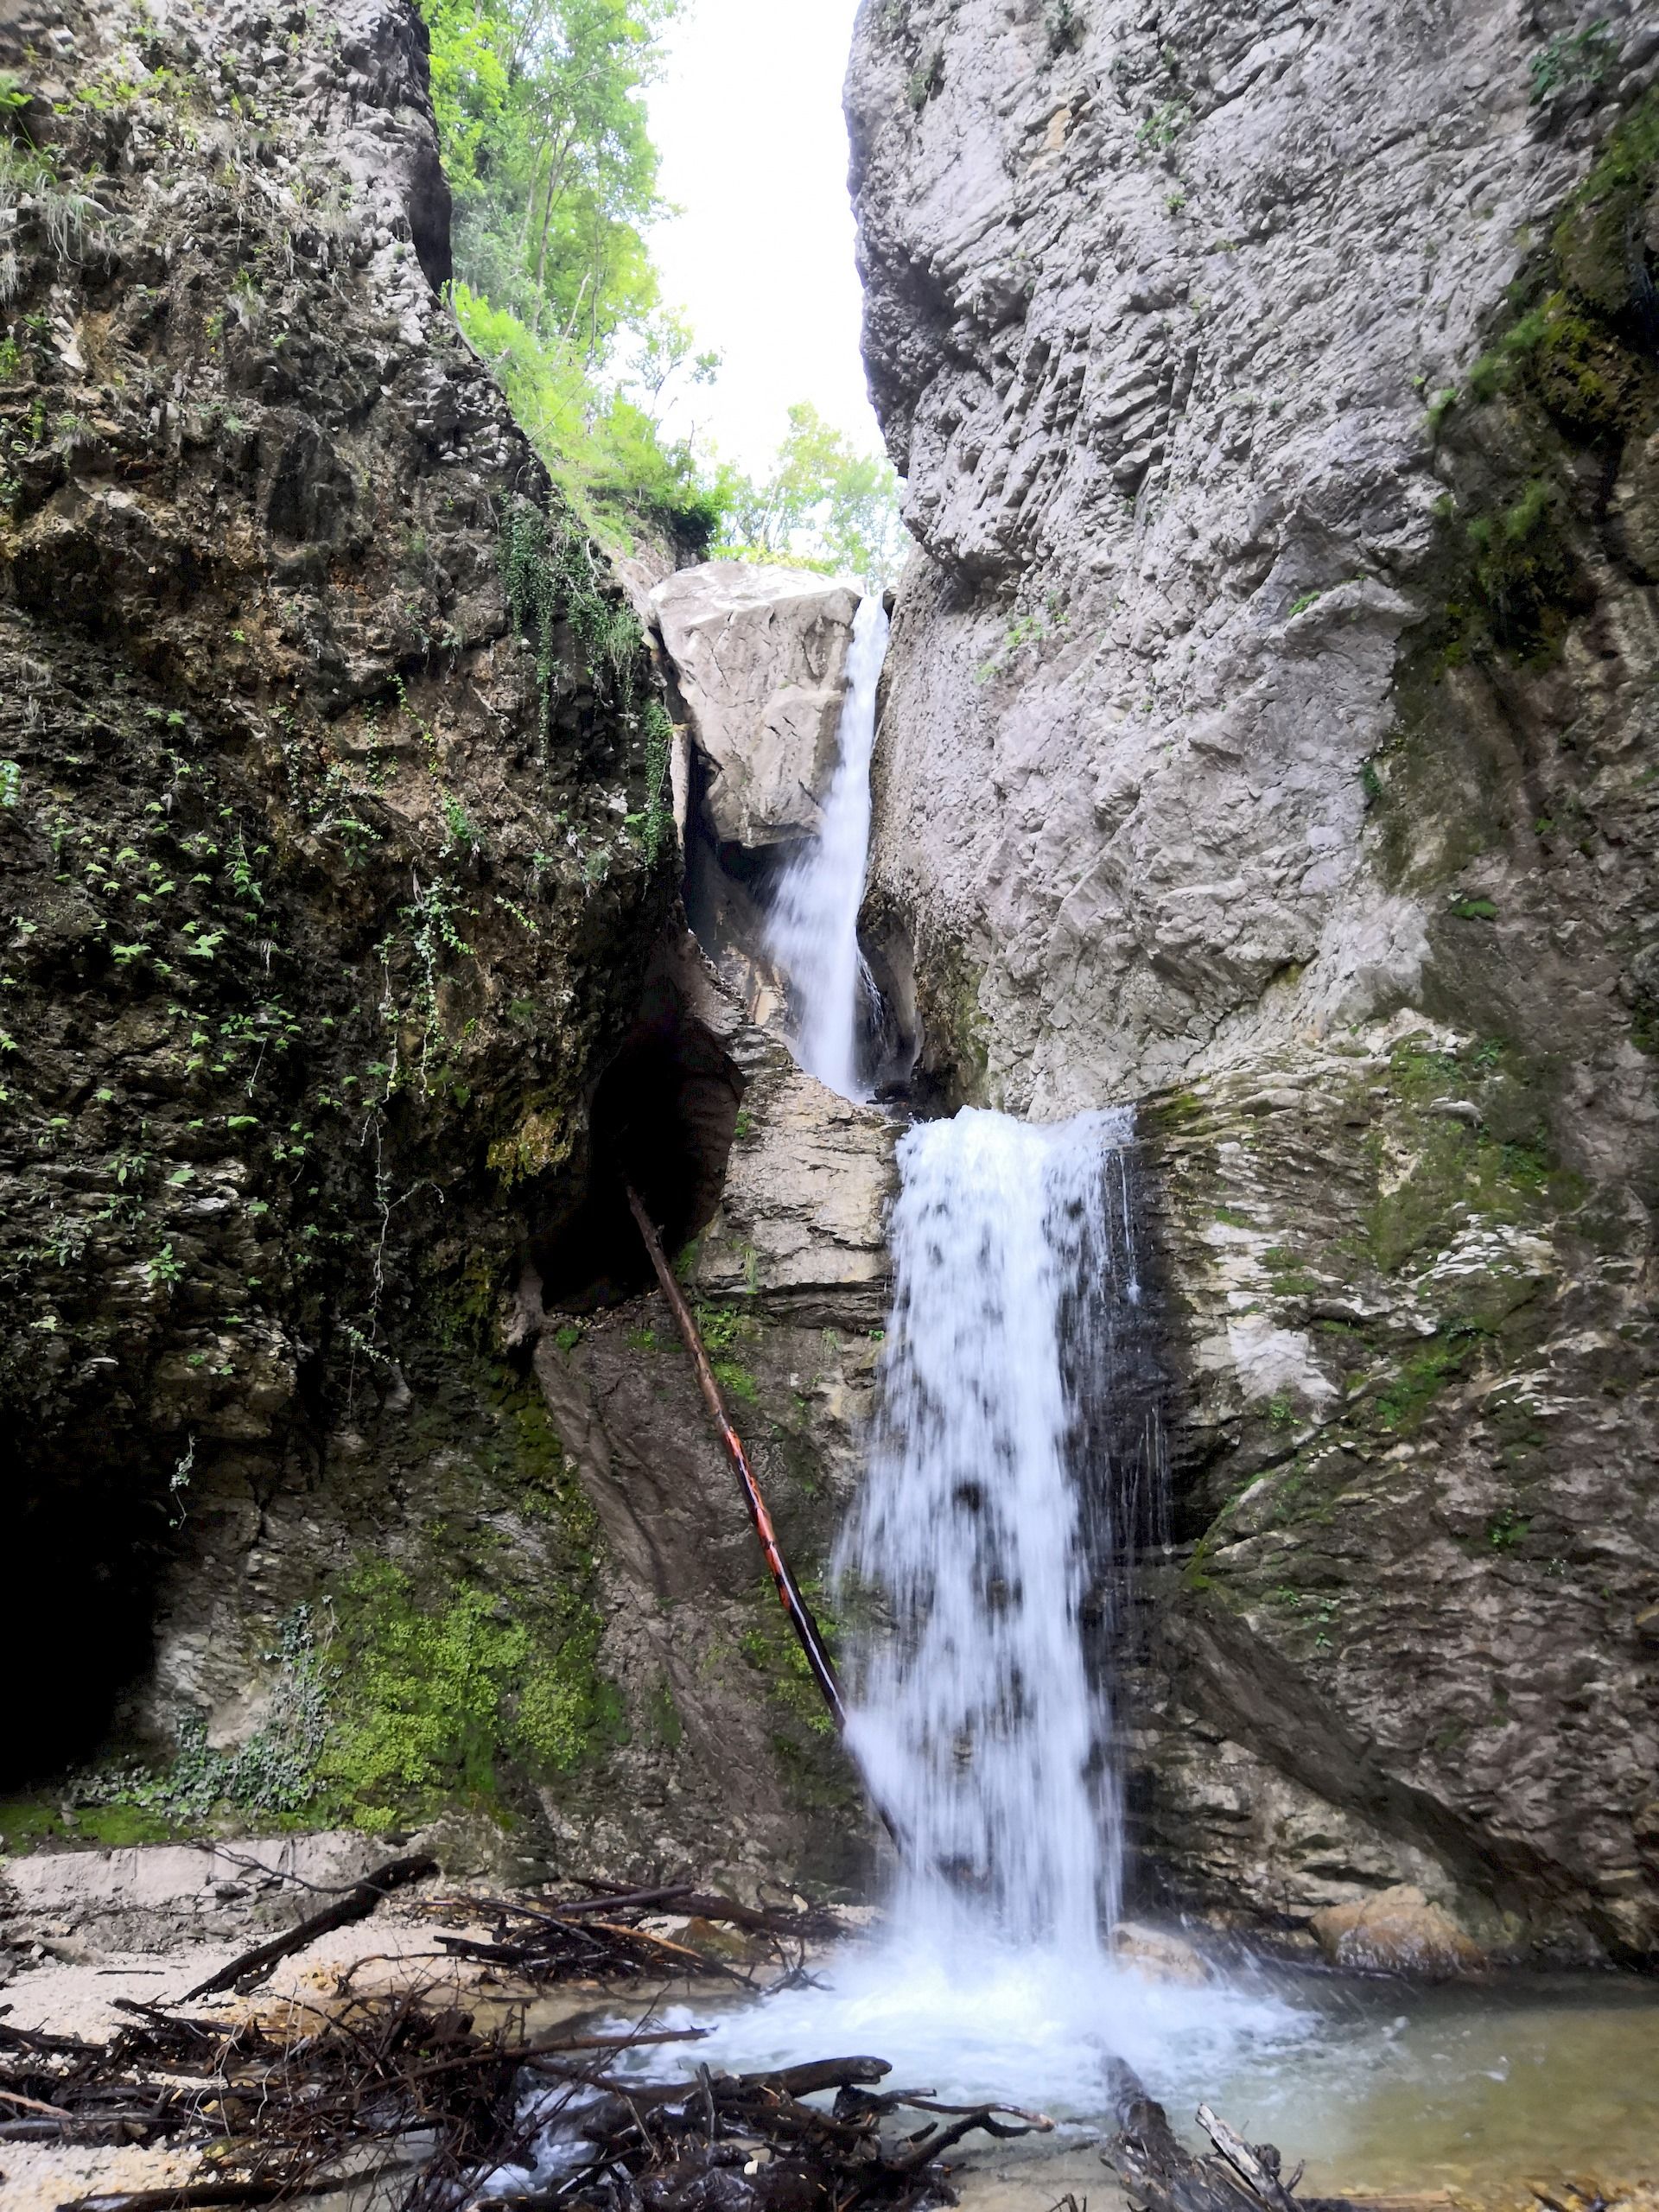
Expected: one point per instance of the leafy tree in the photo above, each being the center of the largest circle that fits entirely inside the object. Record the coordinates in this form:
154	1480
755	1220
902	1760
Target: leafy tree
823	503
553	173
546	145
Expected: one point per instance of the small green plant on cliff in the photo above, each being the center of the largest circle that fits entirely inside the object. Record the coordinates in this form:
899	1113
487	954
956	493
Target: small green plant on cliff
1027	632
274	1772
1507	1529
550	572
655	825
432	939
1164	125
718	1326
1573	60
1062	20
926	78
772	1648
434	1697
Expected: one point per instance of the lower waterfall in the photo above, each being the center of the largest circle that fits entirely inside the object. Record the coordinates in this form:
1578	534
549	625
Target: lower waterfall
976	1720
984	1558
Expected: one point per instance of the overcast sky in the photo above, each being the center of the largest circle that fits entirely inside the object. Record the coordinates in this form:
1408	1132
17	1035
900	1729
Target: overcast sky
749	123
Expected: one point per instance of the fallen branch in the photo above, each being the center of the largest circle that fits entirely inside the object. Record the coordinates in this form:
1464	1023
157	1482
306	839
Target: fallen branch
1161	2175
190	2195
806	1629
358	1901
799	1614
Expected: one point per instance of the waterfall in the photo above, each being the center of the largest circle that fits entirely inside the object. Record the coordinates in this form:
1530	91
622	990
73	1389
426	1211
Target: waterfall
1015	1468
976	1720
813	928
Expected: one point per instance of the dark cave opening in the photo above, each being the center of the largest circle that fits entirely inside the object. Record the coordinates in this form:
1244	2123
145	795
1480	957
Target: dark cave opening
664	1119
81	1572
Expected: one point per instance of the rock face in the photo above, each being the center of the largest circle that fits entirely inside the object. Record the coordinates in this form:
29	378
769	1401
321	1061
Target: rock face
1397	1931
760	657
791	1286
1267	738
328	758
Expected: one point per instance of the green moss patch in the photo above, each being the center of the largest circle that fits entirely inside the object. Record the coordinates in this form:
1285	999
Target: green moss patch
432	1700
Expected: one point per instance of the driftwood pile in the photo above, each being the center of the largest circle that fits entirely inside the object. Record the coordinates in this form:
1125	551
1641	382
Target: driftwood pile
416	2099
749	2142
606	1937
404	2091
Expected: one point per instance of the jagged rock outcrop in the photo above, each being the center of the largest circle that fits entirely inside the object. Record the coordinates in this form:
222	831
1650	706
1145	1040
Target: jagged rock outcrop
335	859
791	1280
1267	738
760	657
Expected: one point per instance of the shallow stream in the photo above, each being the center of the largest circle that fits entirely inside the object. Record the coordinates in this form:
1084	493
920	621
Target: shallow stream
1379	2085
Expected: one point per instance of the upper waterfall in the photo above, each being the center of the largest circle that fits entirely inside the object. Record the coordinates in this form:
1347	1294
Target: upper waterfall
813	928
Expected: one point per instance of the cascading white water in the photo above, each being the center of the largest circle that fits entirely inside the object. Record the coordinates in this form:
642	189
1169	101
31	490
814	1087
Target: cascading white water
812	931
976	1720
1011	1471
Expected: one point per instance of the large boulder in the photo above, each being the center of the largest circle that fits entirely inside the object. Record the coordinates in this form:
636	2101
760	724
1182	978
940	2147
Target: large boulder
760	657
1397	1931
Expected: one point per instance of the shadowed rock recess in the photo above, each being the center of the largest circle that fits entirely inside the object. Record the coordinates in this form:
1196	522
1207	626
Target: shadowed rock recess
340	994
1270	738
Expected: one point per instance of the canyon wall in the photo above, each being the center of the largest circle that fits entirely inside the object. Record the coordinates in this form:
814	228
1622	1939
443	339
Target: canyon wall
344	979
1269	740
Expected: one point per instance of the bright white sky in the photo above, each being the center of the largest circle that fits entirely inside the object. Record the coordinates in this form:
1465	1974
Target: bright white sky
748	120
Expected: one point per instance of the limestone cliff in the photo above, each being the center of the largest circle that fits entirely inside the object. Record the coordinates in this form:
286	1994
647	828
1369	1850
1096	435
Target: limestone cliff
339	884
1269	738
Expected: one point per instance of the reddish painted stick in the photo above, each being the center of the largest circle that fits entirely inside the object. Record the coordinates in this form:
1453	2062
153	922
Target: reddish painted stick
794	1605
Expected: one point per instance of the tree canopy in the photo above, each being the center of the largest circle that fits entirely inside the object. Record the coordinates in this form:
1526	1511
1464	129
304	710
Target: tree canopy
545	133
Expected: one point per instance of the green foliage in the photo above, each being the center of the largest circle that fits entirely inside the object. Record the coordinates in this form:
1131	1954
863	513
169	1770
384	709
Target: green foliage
274	1772
548	152
1525	570
25	1821
433	935
426	1689
736	1381
1573	60
432	1698
549	156
1403	1402
607	455
552	576
1164	125
925	79
822	504
11	782
657	823
774	1650
1063	20
163	1267
1026	632
718	1326
1507	1529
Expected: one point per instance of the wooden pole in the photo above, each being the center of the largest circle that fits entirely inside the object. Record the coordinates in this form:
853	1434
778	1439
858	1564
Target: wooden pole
797	1611
795	1606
